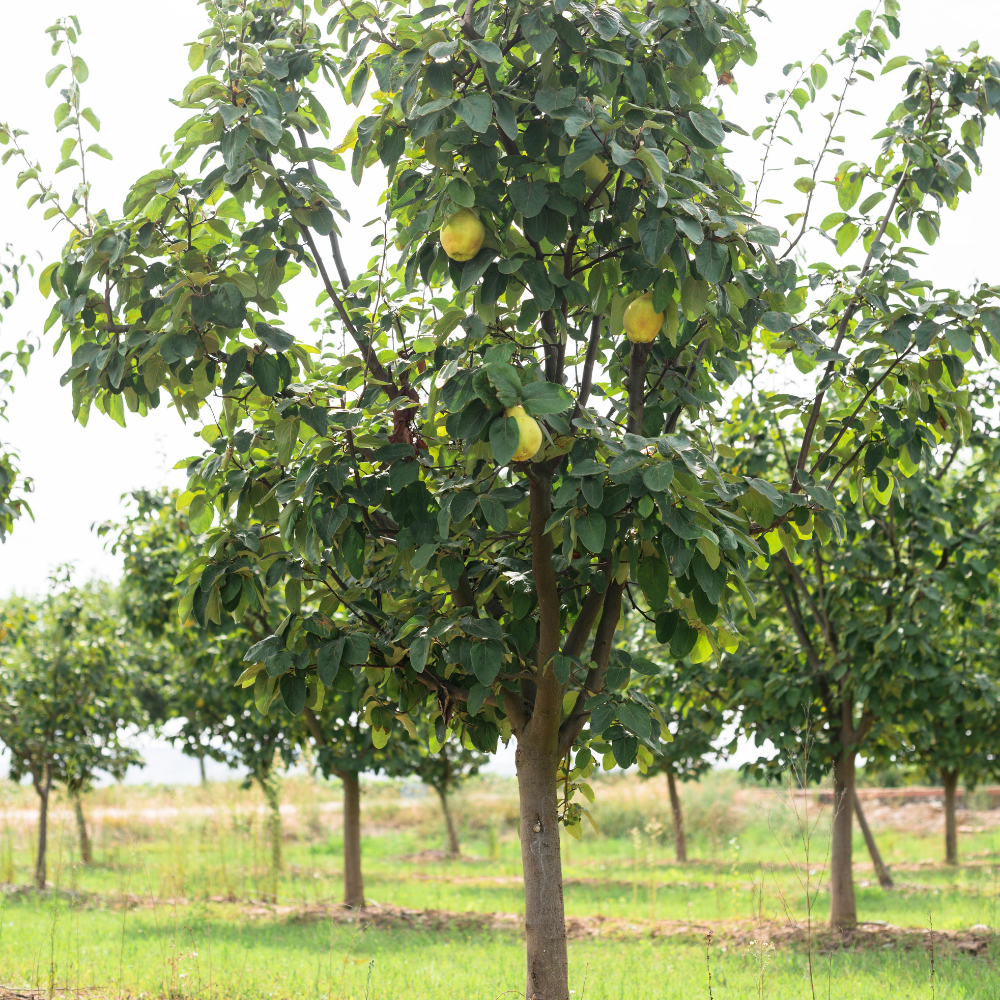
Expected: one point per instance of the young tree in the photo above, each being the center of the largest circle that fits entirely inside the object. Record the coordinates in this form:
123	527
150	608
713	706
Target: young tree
891	402
67	690
221	721
846	650
443	764
687	697
504	542
12	504
447	505
956	734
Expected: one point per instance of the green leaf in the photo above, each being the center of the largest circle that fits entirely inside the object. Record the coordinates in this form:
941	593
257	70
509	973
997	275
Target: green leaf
654	578
487	659
541	398
656	233
712	258
658	477
357	648
266	375
504	379
487	51
504	437
846	236
53	74
419	649
894	63
293	692
359	83
494	512
89	116
99	150
529	197
537	31
328	660
708	125
683	640
79	70
476	111
590	529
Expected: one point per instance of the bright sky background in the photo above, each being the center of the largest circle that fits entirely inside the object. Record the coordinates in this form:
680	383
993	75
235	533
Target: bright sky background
137	61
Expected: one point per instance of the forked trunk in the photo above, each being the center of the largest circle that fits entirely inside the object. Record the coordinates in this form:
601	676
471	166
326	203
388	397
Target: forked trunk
680	844
541	860
950	780
86	854
354	888
43	785
884	878
454	848
843	906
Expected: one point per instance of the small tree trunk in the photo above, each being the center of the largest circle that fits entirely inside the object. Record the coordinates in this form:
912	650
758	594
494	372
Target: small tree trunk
43	786
843	906
541	860
680	844
950	780
354	888
454	848
201	769
270	790
86	854
884	878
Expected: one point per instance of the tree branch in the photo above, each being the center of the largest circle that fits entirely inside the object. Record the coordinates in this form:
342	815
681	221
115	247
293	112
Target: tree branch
594	684
588	365
842	332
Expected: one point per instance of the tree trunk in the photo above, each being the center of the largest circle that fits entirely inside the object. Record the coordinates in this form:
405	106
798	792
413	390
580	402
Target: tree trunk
43	786
884	878
843	906
86	854
454	848
270	790
354	888
544	919
680	844
201	769
950	780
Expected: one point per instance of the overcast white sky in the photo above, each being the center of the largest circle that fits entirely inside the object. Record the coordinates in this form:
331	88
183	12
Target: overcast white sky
137	61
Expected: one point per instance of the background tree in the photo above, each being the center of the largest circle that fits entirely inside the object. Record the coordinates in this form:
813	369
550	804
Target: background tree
687	696
204	718
67	691
891	401
955	736
442	765
846	653
12	504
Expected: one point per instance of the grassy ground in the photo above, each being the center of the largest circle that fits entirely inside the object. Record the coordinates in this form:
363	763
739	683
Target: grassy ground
191	867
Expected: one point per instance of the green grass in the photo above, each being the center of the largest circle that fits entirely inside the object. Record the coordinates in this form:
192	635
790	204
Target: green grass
199	951
189	877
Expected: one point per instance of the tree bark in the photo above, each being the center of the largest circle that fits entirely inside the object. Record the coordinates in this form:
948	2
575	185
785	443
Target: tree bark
43	786
680	844
454	848
541	860
843	906
86	854
354	889
884	878
950	781
273	827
